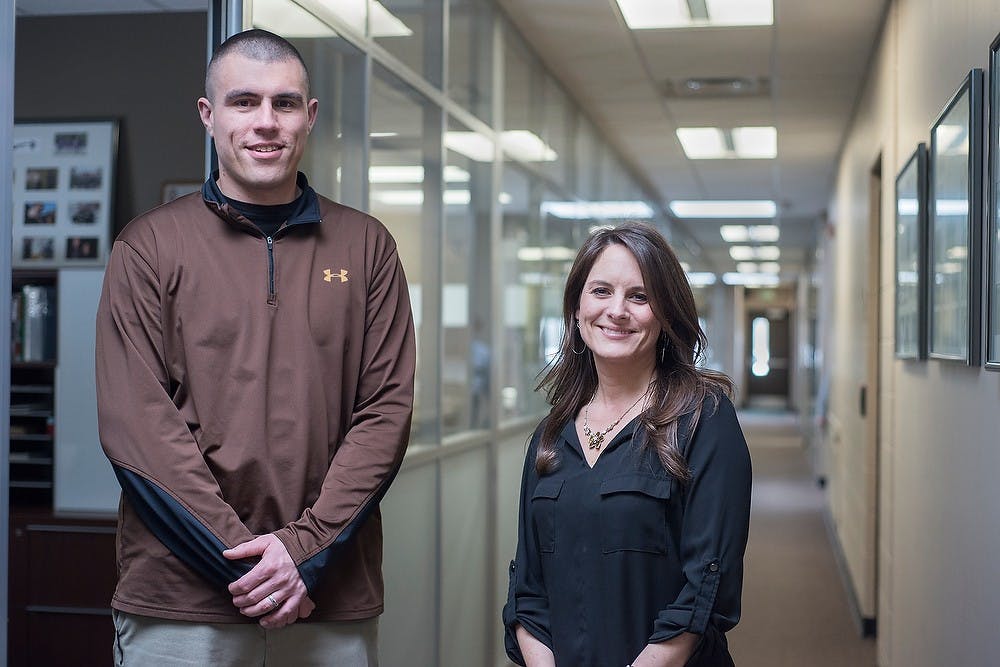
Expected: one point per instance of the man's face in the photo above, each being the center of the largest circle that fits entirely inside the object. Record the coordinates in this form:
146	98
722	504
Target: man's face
259	115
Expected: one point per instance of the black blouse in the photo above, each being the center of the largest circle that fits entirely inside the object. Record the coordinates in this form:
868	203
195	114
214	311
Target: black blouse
613	557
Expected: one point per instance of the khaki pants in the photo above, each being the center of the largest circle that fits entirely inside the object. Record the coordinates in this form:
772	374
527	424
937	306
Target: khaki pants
142	641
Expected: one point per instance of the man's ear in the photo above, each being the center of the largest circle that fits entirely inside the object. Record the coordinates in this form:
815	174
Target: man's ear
205	113
312	107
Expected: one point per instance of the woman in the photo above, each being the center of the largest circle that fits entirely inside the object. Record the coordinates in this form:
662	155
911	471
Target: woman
635	498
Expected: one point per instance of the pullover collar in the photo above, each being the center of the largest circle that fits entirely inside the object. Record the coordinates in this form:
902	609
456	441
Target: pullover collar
306	212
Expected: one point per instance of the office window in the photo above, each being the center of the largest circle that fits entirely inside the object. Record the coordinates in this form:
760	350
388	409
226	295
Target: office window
405	194
558	115
470	56
410	30
335	155
465	292
587	148
528	332
523	136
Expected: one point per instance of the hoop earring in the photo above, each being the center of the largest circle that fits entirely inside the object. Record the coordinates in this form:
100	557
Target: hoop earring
572	345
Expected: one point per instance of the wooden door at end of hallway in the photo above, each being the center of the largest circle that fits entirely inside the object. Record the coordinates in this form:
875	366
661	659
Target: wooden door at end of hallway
768	354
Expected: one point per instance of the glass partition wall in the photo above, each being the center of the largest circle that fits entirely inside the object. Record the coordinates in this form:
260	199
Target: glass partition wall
414	123
437	118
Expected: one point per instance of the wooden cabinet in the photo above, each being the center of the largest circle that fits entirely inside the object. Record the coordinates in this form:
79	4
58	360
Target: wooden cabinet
62	576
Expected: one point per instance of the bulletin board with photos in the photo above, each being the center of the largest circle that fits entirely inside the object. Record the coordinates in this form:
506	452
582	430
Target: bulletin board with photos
63	192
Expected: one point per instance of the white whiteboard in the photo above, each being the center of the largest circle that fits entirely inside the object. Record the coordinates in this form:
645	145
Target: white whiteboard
84	482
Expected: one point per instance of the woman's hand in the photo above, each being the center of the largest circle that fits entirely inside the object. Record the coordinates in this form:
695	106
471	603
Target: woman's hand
671	653
536	654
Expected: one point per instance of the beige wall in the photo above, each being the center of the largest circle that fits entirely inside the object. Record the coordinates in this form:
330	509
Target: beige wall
938	527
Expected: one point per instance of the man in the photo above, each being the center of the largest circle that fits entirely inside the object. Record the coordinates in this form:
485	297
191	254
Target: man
255	359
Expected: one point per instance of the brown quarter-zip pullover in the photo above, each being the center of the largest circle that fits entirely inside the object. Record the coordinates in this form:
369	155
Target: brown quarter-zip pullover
251	385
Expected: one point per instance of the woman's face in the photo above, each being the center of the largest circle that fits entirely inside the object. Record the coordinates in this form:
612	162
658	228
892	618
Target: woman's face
615	319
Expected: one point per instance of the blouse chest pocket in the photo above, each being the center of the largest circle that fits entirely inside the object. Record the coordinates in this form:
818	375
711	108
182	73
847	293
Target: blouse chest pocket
543	509
633	512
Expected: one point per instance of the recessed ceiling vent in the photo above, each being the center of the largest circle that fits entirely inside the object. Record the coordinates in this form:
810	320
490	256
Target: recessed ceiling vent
717	87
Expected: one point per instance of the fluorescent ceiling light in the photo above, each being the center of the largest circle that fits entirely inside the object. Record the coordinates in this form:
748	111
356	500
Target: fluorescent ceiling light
755	142
764	233
374	135
589	210
381	21
750	279
685	267
745	253
907	207
457	197
945	207
399	197
504	198
521	145
656	14
416	197
535	254
739	143
724	209
290	20
472	145
701	278
767	268
703	143
742	253
412	174
527	146
740	12
735	233
653	14
743	233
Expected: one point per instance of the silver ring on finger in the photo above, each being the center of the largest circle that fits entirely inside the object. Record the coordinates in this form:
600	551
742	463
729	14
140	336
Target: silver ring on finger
274	603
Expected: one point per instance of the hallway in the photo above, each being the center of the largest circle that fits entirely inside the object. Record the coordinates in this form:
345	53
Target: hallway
795	609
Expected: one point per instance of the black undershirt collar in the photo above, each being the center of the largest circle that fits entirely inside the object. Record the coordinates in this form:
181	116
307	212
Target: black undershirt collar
268	218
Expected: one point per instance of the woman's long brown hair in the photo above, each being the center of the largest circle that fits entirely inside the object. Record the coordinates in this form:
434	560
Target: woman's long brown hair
679	386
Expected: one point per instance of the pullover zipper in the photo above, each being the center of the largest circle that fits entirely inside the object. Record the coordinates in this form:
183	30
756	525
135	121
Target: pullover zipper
272	298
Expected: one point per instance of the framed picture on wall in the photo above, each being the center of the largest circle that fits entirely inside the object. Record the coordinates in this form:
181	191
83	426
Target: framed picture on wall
993	217
171	190
911	256
954	215
63	193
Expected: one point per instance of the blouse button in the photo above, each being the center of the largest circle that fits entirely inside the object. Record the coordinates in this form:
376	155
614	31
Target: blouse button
714	567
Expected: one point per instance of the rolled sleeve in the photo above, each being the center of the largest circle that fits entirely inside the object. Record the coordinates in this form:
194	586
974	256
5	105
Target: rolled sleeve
527	600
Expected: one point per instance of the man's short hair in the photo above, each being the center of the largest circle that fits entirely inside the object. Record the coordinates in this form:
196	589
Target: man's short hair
256	44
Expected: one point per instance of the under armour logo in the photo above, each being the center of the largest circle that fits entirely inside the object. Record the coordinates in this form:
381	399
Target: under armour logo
329	275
